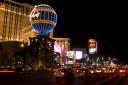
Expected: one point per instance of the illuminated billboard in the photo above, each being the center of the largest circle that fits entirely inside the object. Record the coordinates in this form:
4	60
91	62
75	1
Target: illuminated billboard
70	54
57	47
70	62
60	49
78	54
92	45
92	50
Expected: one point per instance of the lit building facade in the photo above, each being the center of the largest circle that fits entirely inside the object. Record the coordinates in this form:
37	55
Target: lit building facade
63	42
15	22
80	53
70	57
42	48
77	55
14	17
15	26
62	45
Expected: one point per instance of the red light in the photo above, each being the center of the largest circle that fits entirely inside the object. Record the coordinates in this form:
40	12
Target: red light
122	71
91	71
62	73
55	73
77	70
7	71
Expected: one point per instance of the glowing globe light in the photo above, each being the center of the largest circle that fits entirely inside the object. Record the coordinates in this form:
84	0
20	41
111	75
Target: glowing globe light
43	19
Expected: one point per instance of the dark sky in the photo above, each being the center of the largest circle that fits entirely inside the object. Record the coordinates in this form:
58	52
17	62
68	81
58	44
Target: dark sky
80	20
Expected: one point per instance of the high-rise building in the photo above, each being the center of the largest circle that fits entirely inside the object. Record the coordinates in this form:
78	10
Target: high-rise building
14	18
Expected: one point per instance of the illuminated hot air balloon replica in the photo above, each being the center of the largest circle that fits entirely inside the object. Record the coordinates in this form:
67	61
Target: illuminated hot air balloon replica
43	19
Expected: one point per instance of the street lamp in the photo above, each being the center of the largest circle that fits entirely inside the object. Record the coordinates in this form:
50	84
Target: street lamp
22	45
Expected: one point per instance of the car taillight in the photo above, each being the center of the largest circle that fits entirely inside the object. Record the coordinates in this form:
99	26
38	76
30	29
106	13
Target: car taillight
91	71
62	73
98	71
77	70
121	71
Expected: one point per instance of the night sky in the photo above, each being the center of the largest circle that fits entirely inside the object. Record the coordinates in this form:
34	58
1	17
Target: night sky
81	20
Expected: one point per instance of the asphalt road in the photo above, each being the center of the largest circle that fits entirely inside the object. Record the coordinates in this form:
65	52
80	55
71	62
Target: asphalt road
45	78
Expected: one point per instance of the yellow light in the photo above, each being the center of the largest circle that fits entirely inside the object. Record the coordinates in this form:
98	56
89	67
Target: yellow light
22	45
44	21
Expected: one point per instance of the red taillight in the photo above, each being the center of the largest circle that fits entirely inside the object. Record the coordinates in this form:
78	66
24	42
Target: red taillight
62	73
54	73
121	71
77	70
91	71
7	71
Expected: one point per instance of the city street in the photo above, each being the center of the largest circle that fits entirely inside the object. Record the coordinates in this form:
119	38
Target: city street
45	78
63	42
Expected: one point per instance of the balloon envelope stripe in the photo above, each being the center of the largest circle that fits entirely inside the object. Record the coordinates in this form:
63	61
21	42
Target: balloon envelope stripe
43	19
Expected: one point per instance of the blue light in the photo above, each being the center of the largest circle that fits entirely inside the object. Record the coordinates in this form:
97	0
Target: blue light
43	19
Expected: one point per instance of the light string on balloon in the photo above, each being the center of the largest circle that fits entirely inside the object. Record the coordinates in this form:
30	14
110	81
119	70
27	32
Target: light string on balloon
43	21
44	9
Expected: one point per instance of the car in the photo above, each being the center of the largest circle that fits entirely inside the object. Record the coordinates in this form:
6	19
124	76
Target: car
68	73
122	70
58	73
